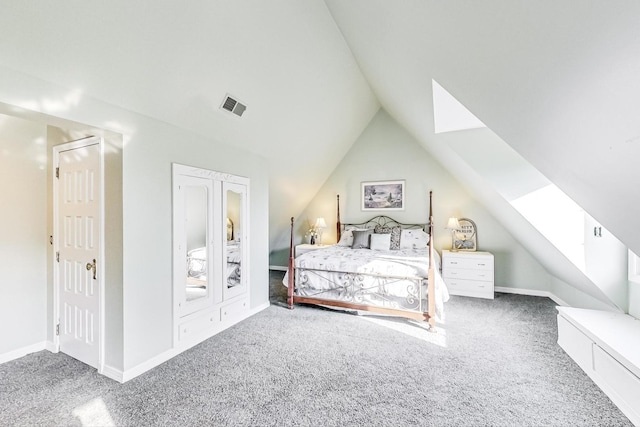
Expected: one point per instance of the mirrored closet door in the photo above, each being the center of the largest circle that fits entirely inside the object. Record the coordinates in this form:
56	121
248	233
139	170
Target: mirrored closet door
194	268
210	249
235	200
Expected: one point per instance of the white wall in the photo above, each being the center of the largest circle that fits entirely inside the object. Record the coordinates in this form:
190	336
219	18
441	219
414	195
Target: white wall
385	151
147	222
23	238
149	148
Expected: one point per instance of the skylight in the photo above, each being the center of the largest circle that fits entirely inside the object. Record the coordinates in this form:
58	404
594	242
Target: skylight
563	225
545	206
449	114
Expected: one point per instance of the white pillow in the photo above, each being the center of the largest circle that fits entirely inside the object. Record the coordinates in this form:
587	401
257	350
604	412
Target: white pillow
346	237
413	239
380	242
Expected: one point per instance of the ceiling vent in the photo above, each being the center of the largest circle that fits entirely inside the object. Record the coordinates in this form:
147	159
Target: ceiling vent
233	106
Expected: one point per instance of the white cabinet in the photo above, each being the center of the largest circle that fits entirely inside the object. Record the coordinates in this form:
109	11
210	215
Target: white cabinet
606	345
210	252
468	273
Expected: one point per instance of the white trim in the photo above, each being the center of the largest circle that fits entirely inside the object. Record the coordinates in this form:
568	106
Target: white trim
277	268
83	142
101	267
21	352
531	292
159	359
50	346
113	373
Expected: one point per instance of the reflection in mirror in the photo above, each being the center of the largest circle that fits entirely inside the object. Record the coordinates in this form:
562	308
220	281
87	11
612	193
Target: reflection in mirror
196	233
234	245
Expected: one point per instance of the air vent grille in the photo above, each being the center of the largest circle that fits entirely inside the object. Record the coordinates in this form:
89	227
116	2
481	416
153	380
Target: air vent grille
233	106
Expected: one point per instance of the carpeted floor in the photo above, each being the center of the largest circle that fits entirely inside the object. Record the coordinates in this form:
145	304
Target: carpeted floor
493	363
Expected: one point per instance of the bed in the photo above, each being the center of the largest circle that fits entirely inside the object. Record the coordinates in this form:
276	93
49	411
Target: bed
380	266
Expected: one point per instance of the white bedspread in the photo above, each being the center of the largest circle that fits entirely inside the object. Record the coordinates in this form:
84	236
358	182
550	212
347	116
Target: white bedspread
345	274
398	263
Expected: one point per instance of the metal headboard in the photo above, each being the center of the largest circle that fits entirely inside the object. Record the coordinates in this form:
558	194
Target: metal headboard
385	221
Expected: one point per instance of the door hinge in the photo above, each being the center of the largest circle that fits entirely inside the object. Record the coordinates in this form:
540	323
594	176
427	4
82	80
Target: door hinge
58	172
58	256
58	329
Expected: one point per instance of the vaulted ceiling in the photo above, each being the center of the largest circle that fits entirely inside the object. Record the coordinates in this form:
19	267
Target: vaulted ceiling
557	81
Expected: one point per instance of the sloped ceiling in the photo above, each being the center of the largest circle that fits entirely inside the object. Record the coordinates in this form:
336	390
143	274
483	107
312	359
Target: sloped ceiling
555	80
558	81
175	61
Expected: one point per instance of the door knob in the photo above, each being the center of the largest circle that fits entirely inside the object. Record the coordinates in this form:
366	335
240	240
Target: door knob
92	266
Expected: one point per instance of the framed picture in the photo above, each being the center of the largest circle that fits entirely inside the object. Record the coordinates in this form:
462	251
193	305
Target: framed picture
383	196
466	238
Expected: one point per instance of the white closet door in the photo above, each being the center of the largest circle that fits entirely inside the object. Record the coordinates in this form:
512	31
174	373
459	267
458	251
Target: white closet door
195	270
236	271
78	204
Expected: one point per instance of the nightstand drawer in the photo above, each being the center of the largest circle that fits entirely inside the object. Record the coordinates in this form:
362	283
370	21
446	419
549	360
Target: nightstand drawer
477	275
468	263
470	288
468	273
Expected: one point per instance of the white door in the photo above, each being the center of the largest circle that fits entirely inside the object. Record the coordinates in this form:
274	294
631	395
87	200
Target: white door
78	240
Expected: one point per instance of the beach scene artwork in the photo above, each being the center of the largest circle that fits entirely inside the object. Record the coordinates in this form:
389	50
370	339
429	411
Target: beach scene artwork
383	195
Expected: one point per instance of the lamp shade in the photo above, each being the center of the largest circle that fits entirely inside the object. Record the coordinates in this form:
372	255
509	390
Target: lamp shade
320	223
453	224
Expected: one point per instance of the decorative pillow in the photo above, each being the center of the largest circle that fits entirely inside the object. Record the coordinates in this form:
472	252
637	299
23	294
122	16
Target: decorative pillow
395	234
361	239
380	242
413	239
346	237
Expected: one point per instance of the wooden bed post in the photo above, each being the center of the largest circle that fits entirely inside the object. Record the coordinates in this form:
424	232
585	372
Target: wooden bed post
290	271
338	226
431	278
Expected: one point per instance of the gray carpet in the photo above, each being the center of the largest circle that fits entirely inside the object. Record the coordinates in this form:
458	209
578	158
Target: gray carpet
492	363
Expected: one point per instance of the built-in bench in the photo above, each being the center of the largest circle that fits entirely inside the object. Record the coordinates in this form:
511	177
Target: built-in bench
606	345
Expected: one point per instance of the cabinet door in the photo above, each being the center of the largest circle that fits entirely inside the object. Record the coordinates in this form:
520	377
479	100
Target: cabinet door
606	261
236	229
194	268
210	249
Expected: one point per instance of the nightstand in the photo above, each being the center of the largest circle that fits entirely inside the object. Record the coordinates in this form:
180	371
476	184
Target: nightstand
468	273
305	247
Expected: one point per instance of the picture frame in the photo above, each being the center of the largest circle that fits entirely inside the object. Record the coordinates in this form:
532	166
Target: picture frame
383	196
466	238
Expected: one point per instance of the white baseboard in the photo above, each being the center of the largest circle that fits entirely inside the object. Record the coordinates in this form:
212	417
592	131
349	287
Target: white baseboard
277	268
23	351
51	347
531	292
113	373
159	359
